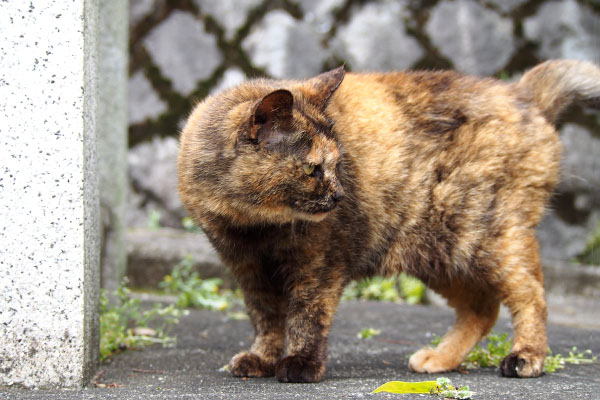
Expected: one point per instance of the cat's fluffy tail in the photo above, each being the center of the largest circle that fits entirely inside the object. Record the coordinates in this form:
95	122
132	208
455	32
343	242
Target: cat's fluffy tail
557	83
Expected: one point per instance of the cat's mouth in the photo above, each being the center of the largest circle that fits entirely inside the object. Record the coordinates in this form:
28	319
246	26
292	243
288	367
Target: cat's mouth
315	217
323	211
316	211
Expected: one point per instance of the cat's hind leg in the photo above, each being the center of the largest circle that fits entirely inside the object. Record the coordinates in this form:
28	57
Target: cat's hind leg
476	313
522	291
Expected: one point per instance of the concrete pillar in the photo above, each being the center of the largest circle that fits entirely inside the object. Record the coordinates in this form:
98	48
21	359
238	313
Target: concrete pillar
111	126
49	209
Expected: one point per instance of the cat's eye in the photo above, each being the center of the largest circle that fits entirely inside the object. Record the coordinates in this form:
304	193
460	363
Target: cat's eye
308	168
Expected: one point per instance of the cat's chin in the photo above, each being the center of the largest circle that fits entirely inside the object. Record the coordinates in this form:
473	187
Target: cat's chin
280	215
313	217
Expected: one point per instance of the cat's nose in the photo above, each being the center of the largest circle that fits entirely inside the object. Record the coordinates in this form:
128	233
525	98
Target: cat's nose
338	195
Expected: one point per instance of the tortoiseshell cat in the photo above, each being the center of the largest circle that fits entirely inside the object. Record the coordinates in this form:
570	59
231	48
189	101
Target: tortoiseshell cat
302	186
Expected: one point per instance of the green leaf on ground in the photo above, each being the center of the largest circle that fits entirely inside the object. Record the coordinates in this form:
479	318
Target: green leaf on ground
441	387
407	387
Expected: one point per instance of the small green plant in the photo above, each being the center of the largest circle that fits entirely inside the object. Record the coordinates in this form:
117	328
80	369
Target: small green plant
555	362
386	289
445	390
499	347
367	333
125	325
376	288
193	291
504	75
189	225
411	288
591	253
154	219
435	340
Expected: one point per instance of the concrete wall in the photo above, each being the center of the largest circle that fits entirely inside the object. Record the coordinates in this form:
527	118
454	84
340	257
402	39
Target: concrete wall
112	139
49	235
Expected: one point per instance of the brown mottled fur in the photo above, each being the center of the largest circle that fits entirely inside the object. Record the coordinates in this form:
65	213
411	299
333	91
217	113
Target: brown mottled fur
303	186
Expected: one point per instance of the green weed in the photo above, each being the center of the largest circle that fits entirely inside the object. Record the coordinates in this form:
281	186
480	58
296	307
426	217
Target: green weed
189	225
193	291
376	288
411	288
504	76
125	325
445	390
555	362
591	253
386	289
367	333
499	346
154	219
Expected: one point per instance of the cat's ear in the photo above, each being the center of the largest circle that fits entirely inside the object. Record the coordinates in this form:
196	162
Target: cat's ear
269	114
323	86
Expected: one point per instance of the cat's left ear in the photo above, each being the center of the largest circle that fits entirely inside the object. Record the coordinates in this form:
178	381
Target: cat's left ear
270	116
323	86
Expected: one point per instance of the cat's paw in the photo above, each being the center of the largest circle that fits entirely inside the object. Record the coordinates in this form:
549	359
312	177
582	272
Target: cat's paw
247	364
299	369
430	361
522	365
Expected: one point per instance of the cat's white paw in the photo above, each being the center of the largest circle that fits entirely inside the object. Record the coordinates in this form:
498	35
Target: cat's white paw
430	361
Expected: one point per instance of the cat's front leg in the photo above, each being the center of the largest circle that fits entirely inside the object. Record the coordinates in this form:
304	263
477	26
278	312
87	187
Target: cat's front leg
266	308
311	307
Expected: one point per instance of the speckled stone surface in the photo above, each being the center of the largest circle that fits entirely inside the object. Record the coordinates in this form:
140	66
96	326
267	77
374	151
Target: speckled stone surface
48	193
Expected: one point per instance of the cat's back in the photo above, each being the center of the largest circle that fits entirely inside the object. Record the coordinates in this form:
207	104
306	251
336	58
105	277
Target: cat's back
432	117
428	102
439	157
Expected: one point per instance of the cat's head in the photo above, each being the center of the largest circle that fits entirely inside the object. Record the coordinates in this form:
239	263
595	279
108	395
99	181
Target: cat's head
265	152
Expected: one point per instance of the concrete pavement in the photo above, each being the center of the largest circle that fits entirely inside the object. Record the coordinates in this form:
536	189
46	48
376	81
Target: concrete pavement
207	340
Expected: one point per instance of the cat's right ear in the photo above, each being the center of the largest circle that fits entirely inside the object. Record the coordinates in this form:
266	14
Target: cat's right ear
323	86
269	114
